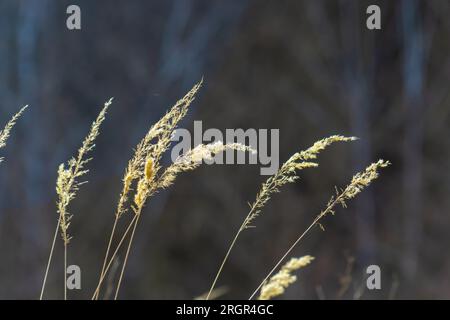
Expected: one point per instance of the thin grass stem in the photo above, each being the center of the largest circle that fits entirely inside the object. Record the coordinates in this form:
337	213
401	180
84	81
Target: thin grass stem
49	259
96	293
138	214
107	251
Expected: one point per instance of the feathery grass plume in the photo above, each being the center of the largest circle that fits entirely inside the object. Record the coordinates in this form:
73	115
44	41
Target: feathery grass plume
284	278
359	181
67	185
194	158
286	174
152	146
189	161
4	134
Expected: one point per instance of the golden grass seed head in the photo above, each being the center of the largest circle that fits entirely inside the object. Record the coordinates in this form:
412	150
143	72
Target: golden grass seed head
67	183
6	131
278	283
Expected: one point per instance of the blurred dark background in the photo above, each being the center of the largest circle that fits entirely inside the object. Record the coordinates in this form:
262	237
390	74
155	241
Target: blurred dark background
309	68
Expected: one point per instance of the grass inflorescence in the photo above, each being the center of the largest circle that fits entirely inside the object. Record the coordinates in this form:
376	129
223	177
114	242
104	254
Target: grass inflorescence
6	131
67	184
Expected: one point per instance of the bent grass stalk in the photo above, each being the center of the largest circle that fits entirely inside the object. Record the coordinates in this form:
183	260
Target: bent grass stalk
150	184
286	174
67	186
358	183
153	145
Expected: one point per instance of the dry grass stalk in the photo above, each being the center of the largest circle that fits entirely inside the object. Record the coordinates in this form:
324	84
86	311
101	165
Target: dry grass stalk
359	181
112	260
189	161
277	284
67	185
144	168
5	133
152	146
148	185
288	173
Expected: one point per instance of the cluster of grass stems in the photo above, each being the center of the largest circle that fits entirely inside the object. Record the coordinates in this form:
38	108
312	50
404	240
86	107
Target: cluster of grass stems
145	176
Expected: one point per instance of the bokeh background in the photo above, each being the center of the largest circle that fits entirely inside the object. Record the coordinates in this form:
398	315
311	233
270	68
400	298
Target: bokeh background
309	68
